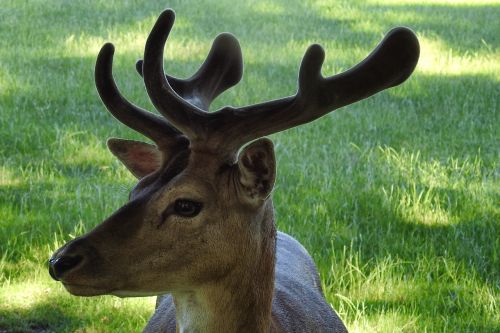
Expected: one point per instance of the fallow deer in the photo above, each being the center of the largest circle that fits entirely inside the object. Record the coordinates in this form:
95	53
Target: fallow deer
199	226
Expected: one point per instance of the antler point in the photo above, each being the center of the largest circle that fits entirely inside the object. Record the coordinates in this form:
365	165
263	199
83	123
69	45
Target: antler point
108	47
167	15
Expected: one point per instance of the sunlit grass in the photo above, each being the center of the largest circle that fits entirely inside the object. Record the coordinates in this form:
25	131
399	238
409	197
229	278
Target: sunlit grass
438	59
437	2
269	8
132	43
30	305
395	197
7	177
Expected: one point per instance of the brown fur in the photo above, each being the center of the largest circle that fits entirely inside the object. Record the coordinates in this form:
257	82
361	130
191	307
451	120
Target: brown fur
220	267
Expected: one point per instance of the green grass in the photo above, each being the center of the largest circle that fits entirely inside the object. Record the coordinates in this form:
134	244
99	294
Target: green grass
396	197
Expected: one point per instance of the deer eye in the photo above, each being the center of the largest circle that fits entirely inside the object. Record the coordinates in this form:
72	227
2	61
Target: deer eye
187	208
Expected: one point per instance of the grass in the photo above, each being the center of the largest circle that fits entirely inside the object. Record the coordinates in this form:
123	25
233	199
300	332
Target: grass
396	197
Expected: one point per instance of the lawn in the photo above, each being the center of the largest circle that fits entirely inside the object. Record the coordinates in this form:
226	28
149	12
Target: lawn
396	197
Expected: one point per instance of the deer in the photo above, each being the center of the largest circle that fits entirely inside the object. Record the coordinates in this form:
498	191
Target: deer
198	230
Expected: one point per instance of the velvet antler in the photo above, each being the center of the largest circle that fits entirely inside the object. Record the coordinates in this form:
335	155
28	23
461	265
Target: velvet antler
228	129
221	70
184	103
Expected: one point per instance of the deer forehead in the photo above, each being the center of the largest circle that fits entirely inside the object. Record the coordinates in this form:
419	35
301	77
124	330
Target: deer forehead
189	185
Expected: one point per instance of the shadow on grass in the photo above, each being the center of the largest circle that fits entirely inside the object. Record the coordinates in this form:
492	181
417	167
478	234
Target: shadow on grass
51	311
437	269
44	317
99	19
457	25
442	116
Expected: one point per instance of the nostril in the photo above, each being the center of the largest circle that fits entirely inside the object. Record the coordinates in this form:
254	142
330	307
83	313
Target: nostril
66	263
58	266
51	269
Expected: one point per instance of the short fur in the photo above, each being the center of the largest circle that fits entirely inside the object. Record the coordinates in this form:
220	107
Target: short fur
298	303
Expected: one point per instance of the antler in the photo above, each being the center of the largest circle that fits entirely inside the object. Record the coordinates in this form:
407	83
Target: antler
221	70
152	126
390	64
228	129
186	117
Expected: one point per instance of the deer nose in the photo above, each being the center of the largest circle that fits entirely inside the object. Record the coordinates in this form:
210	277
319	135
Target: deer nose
58	266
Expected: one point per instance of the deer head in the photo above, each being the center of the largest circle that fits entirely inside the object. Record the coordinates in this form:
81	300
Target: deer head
202	207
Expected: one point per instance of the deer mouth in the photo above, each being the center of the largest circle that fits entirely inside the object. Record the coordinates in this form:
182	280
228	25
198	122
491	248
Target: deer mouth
85	290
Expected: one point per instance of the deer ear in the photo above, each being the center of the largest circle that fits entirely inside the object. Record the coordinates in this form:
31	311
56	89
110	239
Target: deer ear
257	171
139	157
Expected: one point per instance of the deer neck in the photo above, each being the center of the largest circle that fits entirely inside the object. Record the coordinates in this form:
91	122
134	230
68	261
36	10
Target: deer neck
240	301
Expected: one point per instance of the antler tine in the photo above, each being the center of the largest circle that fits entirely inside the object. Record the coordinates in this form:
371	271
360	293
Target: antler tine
388	65
186	117
152	126
221	70
177	84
